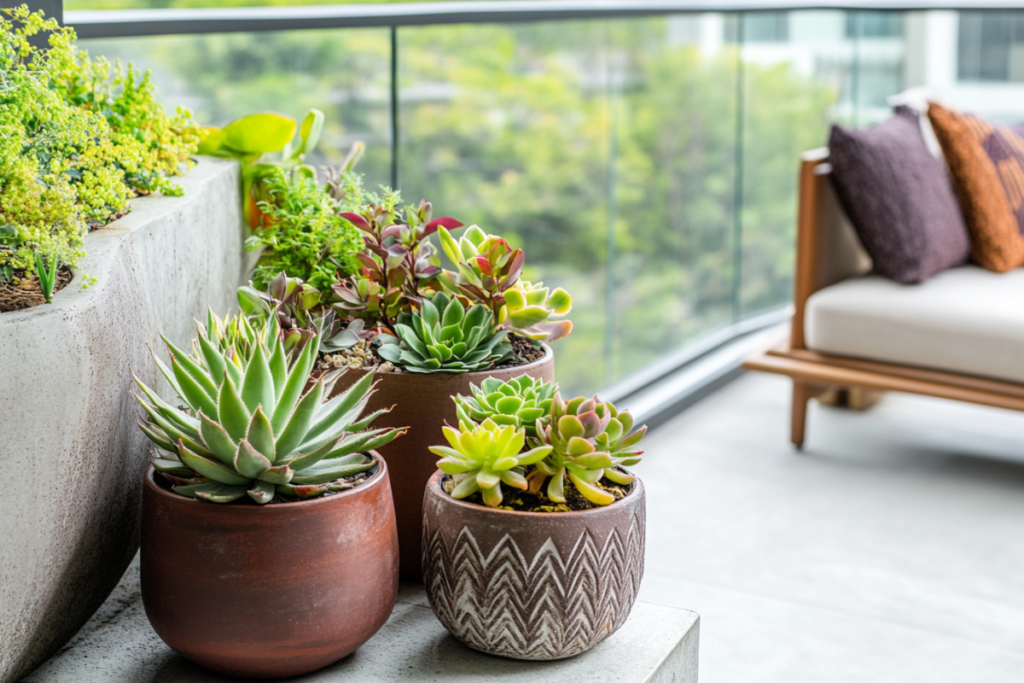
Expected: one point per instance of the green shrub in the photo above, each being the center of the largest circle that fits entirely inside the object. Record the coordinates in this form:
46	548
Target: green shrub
78	139
304	237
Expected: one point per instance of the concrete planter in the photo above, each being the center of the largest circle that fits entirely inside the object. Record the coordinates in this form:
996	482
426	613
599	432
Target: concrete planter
72	456
532	585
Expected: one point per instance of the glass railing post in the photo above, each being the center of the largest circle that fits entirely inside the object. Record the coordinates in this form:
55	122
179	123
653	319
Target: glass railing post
738	179
394	108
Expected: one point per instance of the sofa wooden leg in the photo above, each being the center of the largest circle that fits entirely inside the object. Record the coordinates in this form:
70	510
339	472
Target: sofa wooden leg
802	393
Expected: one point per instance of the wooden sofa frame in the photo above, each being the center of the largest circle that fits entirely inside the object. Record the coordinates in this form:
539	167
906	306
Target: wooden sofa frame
827	252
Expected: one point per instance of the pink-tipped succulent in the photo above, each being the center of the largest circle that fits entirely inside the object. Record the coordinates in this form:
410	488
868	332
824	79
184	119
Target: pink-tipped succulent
487	267
397	265
590	439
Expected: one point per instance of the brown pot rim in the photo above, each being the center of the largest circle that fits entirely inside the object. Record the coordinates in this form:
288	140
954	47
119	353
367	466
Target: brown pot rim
376	480
435	480
549	354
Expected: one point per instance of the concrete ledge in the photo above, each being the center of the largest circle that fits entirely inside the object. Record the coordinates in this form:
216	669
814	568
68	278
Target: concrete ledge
72	457
656	645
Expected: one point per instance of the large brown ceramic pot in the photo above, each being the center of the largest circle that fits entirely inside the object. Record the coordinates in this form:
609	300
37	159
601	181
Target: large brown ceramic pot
532	585
422	402
274	590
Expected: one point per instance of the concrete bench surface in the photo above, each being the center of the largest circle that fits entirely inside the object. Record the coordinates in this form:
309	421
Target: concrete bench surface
657	645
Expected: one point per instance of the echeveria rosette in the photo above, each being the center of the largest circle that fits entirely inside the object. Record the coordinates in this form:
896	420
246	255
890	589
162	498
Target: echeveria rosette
486	267
444	336
485	456
250	429
534	312
519	402
589	440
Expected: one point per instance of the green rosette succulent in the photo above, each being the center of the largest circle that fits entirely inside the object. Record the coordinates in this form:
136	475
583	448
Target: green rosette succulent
534	312
519	402
589	440
444	336
485	456
249	429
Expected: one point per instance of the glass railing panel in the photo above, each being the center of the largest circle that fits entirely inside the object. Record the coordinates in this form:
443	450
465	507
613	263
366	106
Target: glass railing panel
674	107
791	91
508	127
344	73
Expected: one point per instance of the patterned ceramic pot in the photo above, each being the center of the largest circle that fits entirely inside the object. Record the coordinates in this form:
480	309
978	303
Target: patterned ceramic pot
530	585
423	403
269	591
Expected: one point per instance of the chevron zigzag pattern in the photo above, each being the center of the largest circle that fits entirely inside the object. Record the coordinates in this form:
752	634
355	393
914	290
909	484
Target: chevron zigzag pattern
542	607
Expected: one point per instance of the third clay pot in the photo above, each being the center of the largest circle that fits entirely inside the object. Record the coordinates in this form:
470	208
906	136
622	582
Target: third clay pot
532	585
422	402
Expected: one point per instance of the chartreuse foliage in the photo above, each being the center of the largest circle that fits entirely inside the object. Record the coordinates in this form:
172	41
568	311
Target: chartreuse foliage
250	429
488	273
486	456
519	402
78	139
303	235
584	441
444	336
589	440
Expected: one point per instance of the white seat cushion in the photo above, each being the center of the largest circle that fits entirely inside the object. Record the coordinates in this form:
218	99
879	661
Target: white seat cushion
966	320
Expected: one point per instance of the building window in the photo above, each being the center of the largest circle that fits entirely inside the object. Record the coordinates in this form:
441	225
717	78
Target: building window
760	27
991	46
874	24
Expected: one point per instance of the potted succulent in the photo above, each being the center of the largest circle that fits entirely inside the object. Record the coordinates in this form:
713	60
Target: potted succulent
431	333
269	546
533	530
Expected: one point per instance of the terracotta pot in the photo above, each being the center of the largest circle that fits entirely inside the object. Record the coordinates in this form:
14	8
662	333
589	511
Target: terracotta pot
423	403
269	591
532	585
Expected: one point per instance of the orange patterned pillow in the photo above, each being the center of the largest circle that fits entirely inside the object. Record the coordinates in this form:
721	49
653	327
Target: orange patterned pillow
987	165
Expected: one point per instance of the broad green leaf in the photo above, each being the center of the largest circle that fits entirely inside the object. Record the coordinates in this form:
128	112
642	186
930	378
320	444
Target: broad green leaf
301	420
591	492
330	412
258	385
259	133
278	369
262	491
218	441
310	131
329	470
187	423
210	468
157	436
211	491
234	416
214	360
250	462
278	474
200	376
260	435
211	139
556	486
293	388
301	462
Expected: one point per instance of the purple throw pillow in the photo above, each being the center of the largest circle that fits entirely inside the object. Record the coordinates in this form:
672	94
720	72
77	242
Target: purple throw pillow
899	199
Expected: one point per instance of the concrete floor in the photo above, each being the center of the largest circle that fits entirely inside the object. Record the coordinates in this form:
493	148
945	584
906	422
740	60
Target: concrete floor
890	550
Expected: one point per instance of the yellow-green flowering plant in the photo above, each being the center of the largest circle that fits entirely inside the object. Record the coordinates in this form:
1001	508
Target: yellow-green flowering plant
78	139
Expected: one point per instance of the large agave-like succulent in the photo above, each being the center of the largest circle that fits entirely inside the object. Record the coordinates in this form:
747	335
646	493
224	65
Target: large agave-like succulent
444	336
519	402
534	312
249	430
485	456
589	440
